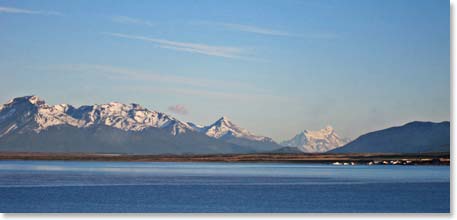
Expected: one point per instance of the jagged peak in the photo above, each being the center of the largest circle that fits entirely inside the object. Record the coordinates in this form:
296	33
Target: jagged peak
223	119
326	129
224	127
32	99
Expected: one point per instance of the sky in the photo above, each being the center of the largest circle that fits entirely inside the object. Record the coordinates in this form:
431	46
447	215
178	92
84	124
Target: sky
273	67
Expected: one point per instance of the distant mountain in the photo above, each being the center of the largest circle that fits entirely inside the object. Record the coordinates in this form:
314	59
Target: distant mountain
414	137
224	129
319	141
29	124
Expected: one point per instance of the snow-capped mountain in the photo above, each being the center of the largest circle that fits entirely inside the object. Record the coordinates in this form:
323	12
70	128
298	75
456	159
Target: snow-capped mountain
224	127
131	117
319	141
115	127
226	130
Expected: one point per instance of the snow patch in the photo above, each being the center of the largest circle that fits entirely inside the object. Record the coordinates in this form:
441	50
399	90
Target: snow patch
11	128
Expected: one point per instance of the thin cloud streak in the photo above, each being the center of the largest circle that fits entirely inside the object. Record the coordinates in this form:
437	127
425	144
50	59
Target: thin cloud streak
121	73
266	31
130	20
252	29
11	10
219	51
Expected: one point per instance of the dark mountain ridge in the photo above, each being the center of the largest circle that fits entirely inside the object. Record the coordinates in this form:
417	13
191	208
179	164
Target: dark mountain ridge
413	137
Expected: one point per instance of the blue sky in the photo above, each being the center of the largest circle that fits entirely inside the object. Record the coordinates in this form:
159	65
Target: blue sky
273	67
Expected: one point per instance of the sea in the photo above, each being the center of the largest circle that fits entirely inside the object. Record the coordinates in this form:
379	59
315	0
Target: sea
197	187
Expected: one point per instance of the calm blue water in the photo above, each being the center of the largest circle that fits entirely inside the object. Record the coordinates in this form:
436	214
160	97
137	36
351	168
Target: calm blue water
53	186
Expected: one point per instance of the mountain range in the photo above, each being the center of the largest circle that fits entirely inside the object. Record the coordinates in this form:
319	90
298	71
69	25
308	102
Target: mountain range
28	124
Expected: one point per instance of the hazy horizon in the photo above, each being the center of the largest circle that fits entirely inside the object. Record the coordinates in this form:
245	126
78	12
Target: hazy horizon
275	68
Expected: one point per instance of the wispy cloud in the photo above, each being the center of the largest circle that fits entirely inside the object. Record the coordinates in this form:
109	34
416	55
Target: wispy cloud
265	31
251	29
210	50
12	10
178	109
122	73
130	20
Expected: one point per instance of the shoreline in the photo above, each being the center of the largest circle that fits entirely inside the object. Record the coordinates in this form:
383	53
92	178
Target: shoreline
336	159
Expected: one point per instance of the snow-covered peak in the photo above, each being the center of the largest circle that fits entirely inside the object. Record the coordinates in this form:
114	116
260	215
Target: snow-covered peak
223	128
36	100
225	122
318	141
320	134
32	99
18	112
24	106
